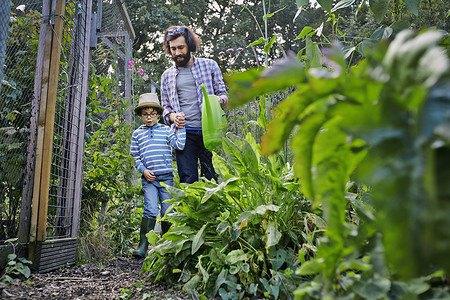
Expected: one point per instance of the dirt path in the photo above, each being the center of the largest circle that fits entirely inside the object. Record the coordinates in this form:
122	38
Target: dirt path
91	281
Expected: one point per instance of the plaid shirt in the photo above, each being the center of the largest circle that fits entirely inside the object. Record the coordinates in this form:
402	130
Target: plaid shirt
204	71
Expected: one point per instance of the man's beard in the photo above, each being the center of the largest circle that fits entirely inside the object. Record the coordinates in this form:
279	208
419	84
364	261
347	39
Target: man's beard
185	60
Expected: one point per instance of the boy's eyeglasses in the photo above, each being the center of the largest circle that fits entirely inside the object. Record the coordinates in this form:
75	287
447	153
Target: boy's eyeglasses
176	30
152	115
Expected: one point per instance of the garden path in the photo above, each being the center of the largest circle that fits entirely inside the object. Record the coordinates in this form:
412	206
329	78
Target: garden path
92	281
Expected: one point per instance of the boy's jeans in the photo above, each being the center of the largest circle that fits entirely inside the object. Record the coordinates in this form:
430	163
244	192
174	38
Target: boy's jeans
155	193
187	159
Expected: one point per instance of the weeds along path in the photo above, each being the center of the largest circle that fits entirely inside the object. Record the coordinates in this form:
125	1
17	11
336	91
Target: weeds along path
116	279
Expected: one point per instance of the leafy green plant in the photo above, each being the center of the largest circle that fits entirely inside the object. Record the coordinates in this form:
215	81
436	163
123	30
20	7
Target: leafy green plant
110	195
135	289
16	267
16	94
264	39
378	8
382	123
241	237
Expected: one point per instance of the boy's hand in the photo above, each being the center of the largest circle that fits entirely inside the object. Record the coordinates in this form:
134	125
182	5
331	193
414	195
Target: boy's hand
148	175
179	120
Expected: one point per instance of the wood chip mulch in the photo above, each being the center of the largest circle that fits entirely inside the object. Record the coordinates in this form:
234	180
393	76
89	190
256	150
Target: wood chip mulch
116	279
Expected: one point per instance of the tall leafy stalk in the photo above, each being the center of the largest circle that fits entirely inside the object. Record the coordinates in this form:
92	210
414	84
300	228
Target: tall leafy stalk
381	124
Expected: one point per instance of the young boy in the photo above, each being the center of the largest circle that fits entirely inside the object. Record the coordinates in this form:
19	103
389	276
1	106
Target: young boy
150	146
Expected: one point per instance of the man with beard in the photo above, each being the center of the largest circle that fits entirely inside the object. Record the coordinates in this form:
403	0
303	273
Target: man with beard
181	92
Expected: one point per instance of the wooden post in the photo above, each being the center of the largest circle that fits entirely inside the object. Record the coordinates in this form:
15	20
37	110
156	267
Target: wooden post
45	44
46	121
27	193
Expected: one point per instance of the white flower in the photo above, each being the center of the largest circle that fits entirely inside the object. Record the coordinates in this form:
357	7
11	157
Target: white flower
21	7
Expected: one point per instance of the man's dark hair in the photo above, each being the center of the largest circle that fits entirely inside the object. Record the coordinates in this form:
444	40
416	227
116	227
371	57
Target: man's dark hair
173	32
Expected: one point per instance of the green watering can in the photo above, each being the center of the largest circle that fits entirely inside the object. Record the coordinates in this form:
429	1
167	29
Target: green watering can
214	122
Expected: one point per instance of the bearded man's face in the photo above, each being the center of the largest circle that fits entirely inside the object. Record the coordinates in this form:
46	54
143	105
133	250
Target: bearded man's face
179	51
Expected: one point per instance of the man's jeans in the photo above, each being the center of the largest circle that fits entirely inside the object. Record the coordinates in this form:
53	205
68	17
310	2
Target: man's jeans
155	193
187	159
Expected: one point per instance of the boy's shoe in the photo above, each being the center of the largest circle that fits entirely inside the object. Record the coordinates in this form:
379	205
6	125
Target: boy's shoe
147	224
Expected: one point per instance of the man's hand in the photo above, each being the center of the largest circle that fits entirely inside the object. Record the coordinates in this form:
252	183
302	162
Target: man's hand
223	99
178	119
148	175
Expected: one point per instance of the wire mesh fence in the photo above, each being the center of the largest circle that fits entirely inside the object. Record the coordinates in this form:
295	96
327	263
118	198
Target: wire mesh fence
22	102
23	107
111	50
44	67
66	154
19	63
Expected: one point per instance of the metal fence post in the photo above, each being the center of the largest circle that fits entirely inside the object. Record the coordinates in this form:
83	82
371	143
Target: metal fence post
84	91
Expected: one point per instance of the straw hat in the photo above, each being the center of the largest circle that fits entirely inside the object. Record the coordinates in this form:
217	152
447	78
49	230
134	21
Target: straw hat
147	100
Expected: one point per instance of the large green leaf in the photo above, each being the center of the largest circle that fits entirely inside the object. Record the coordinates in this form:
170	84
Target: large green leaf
372	288
306	30
236	256
213	120
220	280
381	33
211	191
286	115
379	8
412	61
310	267
277	257
254	145
313	53
221	166
303	143
192	284
413	6
241	153
269	44
198	240
301	3
273	235
326	4
247	85
205	274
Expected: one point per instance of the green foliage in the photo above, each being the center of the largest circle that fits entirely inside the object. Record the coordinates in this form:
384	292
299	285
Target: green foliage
241	237
378	7
110	197
224	25
137	289
15	109
383	123
15	268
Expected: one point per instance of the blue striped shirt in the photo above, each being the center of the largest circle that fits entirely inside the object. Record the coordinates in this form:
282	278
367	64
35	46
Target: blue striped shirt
204	71
150	147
